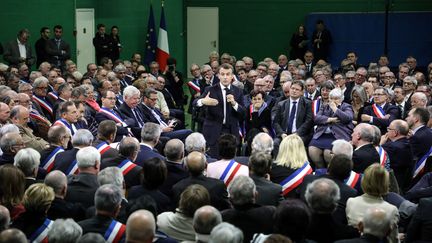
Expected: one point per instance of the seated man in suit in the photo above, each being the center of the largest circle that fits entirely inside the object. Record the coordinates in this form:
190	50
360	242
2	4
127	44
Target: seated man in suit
149	139
82	187
129	109
269	193
66	161
420	140
293	115
151	114
381	113
196	164
128	152
68	117
365	153
225	109
108	199
395	142
106	134
58	139
40	91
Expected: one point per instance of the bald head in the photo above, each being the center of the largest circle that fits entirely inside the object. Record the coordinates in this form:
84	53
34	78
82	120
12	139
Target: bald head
174	150
56	134
129	147
400	126
205	219
140	227
419	99
196	163
12	236
57	181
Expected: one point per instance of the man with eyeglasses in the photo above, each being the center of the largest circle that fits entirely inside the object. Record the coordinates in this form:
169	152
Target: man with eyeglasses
403	73
389	80
4	114
381	113
360	76
396	143
40	91
10	144
251	77
409	86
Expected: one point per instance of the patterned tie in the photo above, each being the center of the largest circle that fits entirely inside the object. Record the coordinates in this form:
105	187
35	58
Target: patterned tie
291	117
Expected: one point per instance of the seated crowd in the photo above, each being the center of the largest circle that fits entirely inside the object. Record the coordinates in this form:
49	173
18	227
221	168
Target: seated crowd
286	151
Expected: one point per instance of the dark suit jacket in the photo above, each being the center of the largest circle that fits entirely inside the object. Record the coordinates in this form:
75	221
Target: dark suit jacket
126	113
383	123
399	152
347	93
251	219
176	173
62	209
216	188
364	157
145	154
340	130
82	188
148	115
420	228
132	178
63	160
163	202
12	55
212	126
324	228
269	193
110	153
57	54
365	238
421	142
121	131
345	192
280	116
97	224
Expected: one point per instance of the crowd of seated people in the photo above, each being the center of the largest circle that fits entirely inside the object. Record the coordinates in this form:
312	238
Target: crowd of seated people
279	151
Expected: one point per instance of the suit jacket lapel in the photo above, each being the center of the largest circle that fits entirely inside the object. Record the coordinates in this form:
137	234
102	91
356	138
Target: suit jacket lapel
299	110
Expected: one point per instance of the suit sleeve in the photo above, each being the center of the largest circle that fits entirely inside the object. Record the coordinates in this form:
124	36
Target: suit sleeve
51	49
277	118
320	118
305	127
383	122
8	54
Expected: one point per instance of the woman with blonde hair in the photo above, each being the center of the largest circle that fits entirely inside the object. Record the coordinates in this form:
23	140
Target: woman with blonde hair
375	184
34	222
291	165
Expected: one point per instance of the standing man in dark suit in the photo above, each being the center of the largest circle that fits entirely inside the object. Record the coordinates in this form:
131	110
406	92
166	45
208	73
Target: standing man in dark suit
41	54
321	40
224	103
421	142
19	51
381	113
309	63
269	193
293	115
365	153
395	142
102	43
57	49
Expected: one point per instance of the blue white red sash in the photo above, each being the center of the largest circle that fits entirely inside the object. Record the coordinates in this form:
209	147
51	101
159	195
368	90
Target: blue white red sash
229	172
41	234
316	105
43	104
48	163
126	166
102	147
352	179
53	95
71	128
292	181
115	232
112	116
35	115
419	166
72	169
193	86
378	111
383	155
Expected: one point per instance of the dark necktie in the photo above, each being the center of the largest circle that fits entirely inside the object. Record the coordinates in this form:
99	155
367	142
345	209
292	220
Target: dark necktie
138	117
226	105
291	117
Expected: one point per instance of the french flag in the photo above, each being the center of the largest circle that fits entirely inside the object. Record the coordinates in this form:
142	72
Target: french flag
162	51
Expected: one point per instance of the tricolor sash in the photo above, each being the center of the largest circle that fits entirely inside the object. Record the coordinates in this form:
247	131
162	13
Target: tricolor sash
71	128
419	166
383	155
229	172
115	232
72	169
48	163
41	234
43	104
126	166
316	105
261	109
295	178
112	116
102	147
35	115
53	95
378	111
193	86
352	179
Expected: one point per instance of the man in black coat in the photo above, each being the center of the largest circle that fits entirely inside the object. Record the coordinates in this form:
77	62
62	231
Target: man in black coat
41	54
225	109
106	135
196	164
269	193
128	151
365	153
102	43
57	49
321	40
129	110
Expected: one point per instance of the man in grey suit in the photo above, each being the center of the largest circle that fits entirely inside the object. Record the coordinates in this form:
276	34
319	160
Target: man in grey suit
293	115
19	51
